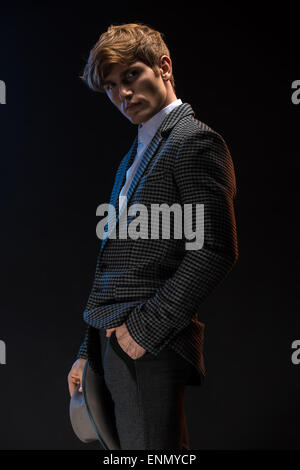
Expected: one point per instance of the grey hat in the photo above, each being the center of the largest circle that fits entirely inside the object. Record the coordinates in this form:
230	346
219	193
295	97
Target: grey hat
92	411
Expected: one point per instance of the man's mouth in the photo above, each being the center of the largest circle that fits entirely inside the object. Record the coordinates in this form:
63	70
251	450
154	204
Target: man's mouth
132	106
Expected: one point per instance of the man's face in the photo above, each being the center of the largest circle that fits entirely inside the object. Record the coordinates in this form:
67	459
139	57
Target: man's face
139	86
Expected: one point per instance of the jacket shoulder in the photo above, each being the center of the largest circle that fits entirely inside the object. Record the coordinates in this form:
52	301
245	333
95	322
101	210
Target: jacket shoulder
189	126
196	137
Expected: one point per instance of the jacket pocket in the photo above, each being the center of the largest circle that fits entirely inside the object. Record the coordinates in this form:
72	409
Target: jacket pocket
120	352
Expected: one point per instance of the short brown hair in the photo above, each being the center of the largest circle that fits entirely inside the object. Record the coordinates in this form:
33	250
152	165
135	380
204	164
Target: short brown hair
124	44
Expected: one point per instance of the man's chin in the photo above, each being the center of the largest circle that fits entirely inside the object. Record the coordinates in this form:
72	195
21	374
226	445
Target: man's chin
136	120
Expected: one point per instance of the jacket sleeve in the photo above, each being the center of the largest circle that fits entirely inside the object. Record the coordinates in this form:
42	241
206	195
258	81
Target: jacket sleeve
203	174
82	353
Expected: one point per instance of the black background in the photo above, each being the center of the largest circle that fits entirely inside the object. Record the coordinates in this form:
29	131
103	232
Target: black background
61	144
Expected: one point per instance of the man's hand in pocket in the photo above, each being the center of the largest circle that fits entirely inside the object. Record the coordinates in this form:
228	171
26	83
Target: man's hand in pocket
126	342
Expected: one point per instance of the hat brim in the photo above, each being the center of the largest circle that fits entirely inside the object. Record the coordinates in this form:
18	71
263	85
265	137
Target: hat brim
92	411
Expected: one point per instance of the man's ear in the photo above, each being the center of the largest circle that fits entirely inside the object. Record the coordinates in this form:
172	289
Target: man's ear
166	67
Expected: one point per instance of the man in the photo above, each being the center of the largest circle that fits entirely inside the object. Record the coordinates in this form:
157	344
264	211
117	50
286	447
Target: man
147	292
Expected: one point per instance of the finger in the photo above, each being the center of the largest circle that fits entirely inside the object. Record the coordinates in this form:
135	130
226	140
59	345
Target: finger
71	388
109	331
80	384
73	383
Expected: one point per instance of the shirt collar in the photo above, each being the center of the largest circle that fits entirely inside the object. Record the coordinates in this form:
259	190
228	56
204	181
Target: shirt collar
147	130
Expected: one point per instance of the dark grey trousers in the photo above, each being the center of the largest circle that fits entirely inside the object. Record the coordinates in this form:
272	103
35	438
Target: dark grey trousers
148	395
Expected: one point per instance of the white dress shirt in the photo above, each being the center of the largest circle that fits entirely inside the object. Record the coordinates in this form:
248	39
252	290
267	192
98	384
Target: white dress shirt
146	133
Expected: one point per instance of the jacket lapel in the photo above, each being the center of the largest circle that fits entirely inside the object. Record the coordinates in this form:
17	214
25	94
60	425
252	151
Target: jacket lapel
121	175
119	182
167	125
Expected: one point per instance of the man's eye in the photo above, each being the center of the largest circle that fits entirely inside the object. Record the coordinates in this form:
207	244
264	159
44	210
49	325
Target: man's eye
132	73
108	86
129	75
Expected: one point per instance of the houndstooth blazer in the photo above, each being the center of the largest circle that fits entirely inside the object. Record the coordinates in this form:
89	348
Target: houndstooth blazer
157	286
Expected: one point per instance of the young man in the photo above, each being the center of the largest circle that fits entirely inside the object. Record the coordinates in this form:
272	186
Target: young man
148	291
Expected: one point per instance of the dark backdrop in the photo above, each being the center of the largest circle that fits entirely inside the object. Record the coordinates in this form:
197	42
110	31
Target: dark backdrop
61	144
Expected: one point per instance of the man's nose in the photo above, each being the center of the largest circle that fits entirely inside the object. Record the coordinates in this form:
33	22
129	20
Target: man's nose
124	92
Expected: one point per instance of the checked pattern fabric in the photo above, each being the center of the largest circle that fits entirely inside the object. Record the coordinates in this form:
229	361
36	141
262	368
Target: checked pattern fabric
155	285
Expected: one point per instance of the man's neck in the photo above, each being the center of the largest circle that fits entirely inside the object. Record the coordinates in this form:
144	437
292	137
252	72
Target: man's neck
166	103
